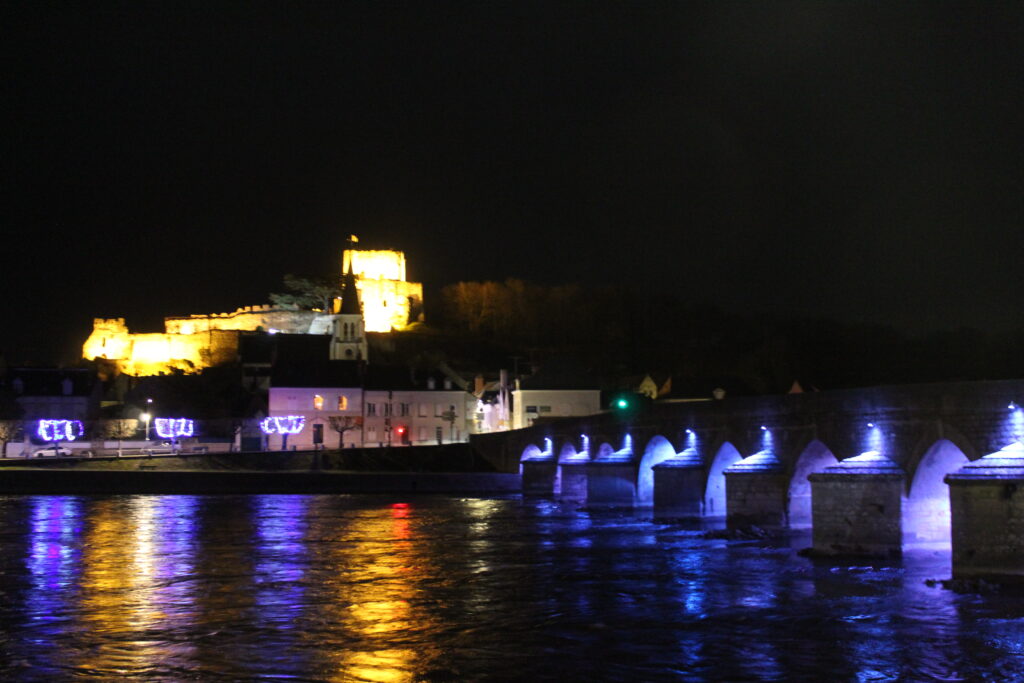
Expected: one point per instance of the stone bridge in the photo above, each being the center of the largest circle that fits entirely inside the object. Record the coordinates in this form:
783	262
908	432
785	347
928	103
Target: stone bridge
865	468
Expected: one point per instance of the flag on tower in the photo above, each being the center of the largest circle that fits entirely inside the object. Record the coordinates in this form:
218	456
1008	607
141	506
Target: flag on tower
353	239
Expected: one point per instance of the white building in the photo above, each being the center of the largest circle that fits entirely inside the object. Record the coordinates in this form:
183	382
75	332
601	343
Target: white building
530	404
347	404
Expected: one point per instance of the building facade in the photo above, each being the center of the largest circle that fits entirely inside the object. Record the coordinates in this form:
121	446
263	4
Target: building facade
530	404
358	417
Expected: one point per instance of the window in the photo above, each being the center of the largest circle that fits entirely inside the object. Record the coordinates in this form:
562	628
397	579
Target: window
318	402
423	434
545	409
438	409
371	409
342	402
531	409
423	409
371	433
404	409
387	410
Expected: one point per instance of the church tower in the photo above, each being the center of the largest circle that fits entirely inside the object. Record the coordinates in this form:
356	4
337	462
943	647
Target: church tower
348	337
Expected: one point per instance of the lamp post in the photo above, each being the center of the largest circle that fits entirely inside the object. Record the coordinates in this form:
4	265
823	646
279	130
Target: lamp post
148	415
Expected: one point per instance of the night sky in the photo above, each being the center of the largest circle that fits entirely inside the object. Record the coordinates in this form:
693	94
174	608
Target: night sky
858	161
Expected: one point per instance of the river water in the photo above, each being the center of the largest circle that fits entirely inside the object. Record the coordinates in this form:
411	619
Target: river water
374	588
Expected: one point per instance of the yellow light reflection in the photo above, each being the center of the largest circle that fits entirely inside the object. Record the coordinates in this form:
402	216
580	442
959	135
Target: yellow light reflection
382	564
122	594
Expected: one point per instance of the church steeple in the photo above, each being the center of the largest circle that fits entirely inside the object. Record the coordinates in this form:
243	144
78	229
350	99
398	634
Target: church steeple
348	336
349	294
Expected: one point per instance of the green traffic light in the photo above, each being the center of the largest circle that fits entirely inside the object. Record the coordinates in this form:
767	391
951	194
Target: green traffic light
622	403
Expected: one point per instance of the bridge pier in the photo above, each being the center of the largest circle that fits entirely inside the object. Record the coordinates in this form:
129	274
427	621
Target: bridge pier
755	491
679	486
987	510
539	477
611	483
574	481
856	507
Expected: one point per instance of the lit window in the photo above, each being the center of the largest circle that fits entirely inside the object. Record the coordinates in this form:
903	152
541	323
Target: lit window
343	402
318	402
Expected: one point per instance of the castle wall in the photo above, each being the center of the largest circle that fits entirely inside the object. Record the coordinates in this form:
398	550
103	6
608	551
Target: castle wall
159	352
386	303
199	341
249	318
386	297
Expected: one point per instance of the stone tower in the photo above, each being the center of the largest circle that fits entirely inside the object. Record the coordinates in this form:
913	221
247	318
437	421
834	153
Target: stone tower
348	336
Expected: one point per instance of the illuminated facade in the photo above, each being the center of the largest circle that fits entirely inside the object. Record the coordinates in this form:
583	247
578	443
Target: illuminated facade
389	301
194	342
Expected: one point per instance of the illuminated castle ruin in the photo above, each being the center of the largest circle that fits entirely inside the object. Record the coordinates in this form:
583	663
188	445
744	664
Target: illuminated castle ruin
389	301
192	343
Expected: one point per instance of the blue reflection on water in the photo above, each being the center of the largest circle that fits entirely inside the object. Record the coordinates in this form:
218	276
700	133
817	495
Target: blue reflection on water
173	554
280	555
54	555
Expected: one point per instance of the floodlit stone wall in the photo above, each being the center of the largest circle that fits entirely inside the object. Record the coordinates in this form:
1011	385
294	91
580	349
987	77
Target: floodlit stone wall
389	301
248	318
193	343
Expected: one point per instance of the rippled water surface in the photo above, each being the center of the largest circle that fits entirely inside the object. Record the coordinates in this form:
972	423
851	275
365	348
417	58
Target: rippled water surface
448	589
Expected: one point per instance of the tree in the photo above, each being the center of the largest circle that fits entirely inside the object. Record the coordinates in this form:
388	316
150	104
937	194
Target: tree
120	429
315	293
8	432
342	424
449	417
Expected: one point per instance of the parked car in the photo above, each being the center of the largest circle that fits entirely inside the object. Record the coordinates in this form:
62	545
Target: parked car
52	450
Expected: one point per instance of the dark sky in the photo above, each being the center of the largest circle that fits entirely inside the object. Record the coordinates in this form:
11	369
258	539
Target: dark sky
859	161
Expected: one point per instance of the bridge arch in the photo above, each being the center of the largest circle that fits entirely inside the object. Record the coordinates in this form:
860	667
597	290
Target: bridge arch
815	457
714	491
658	450
531	452
568	452
926	515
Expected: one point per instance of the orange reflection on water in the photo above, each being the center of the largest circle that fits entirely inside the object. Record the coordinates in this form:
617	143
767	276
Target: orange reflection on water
380	566
127	583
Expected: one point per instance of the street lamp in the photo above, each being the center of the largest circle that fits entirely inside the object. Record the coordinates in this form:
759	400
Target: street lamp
146	417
